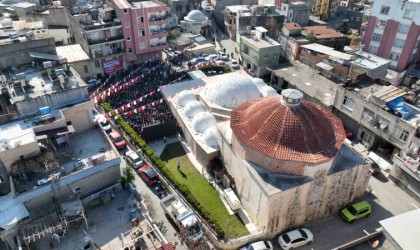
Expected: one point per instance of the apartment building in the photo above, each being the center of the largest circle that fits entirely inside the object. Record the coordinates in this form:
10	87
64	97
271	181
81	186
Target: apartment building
393	32
144	29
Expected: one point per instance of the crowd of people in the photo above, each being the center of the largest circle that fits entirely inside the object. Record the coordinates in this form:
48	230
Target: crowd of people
153	76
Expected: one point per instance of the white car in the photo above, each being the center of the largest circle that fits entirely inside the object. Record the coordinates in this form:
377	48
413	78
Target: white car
234	64
259	245
223	56
296	238
211	57
134	159
104	123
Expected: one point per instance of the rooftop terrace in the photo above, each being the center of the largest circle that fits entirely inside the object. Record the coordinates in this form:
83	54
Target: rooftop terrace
259	43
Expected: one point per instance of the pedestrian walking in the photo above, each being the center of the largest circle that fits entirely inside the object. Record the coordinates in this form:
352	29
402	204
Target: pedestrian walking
178	165
224	50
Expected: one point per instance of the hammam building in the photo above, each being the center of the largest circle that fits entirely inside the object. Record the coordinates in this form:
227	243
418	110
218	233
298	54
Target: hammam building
286	158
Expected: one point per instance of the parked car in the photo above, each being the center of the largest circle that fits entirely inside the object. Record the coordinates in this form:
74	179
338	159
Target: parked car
223	56
356	211
219	62
234	64
104	124
295	238
93	83
133	159
374	168
148	175
117	139
197	60
211	57
259	245
204	55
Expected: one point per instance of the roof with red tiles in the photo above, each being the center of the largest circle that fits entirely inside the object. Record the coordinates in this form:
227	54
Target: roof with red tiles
306	132
322	32
292	26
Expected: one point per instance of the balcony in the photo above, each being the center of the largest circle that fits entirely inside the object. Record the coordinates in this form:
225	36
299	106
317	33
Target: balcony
153	18
101	53
407	164
159	46
106	40
159	33
98	26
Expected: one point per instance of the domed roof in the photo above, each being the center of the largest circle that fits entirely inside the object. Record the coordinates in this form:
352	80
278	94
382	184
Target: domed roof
196	15
300	132
268	91
184	97
192	108
209	137
231	90
202	121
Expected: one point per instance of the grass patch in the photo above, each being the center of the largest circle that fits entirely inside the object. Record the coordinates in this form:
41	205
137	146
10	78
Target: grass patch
205	195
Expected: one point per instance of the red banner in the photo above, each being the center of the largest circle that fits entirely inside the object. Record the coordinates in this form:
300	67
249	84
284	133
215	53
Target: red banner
113	65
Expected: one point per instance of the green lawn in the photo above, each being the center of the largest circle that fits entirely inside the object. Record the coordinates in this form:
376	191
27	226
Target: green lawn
203	192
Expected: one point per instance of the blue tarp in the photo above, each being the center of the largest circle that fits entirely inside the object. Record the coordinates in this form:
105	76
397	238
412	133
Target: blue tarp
401	108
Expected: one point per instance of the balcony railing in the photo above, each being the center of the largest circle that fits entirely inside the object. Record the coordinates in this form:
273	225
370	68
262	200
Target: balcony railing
158	31
157	17
106	40
101	53
408	164
102	26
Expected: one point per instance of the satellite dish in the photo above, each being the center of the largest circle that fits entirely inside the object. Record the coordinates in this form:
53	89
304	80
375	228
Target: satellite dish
6	146
18	143
4	141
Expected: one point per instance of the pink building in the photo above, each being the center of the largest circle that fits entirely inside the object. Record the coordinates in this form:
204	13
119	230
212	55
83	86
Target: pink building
144	28
393	32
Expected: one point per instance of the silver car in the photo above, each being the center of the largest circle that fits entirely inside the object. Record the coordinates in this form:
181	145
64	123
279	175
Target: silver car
296	238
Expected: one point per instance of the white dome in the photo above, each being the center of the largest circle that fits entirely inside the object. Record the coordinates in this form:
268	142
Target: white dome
184	97
209	137
259	82
195	15
231	90
202	121
192	108
268	91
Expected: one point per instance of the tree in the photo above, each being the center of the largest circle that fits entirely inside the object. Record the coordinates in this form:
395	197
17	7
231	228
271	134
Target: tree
127	176
311	36
272	27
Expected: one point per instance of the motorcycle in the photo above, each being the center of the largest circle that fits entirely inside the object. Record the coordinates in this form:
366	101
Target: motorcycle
161	190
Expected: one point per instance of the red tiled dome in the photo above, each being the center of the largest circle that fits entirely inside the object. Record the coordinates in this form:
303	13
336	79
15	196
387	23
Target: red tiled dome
305	132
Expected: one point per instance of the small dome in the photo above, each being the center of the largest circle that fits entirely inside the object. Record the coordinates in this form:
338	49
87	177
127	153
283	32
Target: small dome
202	121
184	97
209	137
192	108
195	15
268	91
231	90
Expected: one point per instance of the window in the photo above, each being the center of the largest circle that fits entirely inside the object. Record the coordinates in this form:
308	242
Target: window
1	178
128	38
399	43
403	29
381	123
246	49
141	32
130	51
381	24
402	134
384	10
376	37
394	56
85	68
97	64
348	103
142	45
368	115
125	11
140	19
408	14
373	50
127	24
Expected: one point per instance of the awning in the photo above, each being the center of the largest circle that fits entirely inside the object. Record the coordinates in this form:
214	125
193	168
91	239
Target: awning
167	246
54	132
325	66
45	56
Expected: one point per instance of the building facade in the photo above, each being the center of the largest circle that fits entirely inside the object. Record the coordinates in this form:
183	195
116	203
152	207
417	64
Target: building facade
393	32
296	12
144	29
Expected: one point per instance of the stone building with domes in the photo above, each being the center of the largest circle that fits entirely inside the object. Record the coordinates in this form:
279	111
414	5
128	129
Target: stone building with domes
286	158
195	22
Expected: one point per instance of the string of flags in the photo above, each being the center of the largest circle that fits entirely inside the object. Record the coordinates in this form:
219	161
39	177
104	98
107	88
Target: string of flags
120	111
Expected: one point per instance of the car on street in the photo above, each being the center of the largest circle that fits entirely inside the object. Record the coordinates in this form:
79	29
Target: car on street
356	211
93	83
133	159
234	64
104	123
223	56
211	57
219	62
259	245
295	238
204	55
197	60
148	175
117	139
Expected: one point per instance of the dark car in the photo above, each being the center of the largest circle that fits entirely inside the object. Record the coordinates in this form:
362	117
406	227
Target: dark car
374	168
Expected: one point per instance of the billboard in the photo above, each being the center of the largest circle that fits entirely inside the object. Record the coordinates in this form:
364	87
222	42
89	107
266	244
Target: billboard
113	65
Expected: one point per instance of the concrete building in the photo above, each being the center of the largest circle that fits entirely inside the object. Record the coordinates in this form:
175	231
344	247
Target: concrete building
393	32
342	66
258	51
291	40
220	6
296	12
195	23
325	36
240	18
101	37
345	18
77	58
367	107
143	28
283	175
322	8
